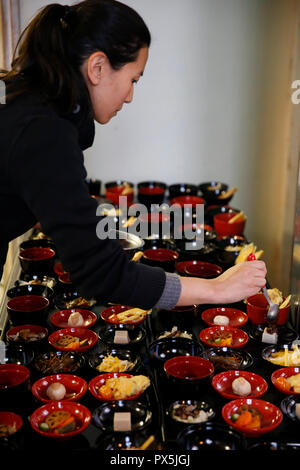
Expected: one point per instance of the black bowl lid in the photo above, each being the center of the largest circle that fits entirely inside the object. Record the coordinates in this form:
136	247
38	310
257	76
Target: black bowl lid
140	415
165	348
210	436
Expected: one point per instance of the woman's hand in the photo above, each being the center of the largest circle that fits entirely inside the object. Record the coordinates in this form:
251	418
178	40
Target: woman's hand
240	281
235	284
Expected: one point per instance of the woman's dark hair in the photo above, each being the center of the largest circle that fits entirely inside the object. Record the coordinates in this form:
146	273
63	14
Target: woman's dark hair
56	42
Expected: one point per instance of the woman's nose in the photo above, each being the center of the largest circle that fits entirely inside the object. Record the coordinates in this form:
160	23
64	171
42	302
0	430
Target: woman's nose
129	97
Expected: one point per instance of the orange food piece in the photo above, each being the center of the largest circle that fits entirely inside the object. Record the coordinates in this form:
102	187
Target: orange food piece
283	384
255	422
106	392
73	345
244	419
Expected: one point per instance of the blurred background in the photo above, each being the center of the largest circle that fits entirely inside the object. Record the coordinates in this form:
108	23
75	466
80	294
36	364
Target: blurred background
214	104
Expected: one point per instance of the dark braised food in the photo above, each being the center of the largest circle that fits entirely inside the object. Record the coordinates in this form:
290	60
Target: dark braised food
233	361
190	414
57	364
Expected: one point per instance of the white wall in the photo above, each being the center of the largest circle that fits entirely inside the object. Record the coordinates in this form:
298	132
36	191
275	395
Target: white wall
199	112
193	116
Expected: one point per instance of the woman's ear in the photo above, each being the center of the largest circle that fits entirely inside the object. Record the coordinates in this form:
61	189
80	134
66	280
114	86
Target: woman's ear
95	66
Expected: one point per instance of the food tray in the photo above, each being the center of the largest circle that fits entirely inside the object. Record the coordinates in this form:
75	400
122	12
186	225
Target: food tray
157	397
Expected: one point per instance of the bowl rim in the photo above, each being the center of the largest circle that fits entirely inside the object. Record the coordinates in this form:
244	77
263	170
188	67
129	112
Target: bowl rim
102	378
74	329
83	311
59	378
60	405
229	310
18	419
25	297
26	326
13	368
282	372
50	251
231	329
205	362
235	374
255	402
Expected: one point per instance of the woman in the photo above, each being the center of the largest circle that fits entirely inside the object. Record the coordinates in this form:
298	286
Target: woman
75	65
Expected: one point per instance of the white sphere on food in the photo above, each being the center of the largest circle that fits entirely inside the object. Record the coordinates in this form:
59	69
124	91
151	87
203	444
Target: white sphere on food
56	391
75	319
221	320
241	386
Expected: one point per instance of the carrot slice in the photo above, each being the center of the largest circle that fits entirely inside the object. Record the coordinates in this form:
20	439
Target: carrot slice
255	423
244	419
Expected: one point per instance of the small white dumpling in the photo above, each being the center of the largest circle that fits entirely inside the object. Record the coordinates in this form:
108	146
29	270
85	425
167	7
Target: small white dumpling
56	391
75	319
221	320
241	386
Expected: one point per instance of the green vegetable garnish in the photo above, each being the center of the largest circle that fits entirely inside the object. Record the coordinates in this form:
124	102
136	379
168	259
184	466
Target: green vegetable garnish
234	417
44	427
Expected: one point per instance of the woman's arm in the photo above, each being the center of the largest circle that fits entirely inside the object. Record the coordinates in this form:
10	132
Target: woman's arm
235	284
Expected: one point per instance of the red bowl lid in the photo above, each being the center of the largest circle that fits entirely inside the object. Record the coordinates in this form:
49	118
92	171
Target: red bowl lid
188	367
203	269
161	254
36	254
12	375
28	303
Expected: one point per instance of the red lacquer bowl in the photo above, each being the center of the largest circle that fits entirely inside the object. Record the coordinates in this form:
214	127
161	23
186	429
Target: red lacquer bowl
161	254
239	337
11	335
13	375
271	415
80	412
97	382
237	318
58	269
284	372
224	228
60	318
222	383
184	200
203	270
75	387
257	310
188	368
8	418
79	332
106	313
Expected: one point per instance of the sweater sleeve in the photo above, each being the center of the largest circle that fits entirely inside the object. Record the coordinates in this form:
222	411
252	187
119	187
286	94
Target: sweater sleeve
48	173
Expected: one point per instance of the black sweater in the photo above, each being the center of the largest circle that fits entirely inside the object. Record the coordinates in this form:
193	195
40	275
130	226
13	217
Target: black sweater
42	178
